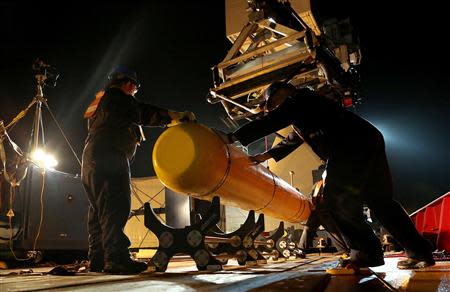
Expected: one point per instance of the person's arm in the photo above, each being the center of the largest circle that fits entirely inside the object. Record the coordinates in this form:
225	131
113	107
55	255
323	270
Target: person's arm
281	150
286	146
263	126
151	115
154	116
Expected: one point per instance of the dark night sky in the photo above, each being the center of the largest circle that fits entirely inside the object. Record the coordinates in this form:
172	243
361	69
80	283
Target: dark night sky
172	45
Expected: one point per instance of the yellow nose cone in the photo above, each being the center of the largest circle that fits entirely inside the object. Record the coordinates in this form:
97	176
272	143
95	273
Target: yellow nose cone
190	158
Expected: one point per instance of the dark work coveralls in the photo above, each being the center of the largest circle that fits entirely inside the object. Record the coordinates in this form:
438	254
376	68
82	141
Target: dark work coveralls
109	148
357	169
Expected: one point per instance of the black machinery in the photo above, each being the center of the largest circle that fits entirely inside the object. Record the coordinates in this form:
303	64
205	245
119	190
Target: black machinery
281	40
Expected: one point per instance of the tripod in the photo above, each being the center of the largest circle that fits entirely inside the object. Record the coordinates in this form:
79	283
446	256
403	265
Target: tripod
45	75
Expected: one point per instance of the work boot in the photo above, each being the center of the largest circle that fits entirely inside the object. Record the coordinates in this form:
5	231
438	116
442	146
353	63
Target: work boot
364	260
96	267
412	263
124	266
361	263
356	263
96	263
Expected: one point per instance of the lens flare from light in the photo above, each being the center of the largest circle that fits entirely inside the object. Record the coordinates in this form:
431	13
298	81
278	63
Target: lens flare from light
43	159
38	155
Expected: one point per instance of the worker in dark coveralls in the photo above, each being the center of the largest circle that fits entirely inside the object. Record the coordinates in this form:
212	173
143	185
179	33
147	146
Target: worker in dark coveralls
357	170
115	118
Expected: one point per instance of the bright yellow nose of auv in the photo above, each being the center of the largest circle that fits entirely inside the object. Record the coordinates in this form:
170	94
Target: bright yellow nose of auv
192	159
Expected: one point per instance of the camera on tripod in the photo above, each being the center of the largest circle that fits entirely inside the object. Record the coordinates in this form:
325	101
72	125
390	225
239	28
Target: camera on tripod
45	74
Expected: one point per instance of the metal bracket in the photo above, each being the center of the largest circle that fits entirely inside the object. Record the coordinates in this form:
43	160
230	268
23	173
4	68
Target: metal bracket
274	241
240	242
189	240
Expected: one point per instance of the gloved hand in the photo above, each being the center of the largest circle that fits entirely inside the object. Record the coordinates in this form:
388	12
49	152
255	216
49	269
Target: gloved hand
259	158
227	138
181	117
188	117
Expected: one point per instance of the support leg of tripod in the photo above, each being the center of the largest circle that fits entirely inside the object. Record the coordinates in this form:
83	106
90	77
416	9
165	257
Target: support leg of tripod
62	132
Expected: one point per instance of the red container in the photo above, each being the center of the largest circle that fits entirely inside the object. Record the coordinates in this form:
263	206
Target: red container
433	222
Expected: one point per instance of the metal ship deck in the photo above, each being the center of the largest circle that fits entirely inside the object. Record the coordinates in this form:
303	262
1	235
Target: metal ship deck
307	274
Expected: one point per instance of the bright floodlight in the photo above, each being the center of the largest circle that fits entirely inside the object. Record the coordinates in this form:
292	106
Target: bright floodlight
38	155
44	160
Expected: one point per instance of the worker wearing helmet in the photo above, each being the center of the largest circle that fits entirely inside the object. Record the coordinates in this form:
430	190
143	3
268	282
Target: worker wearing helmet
115	118
357	170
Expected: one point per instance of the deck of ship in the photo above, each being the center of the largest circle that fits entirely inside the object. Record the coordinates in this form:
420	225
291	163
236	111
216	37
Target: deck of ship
298	274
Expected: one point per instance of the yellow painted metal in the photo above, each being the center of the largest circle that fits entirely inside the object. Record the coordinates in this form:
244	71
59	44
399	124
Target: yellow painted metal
192	159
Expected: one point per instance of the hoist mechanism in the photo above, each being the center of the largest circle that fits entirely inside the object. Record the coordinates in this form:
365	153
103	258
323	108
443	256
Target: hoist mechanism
281	40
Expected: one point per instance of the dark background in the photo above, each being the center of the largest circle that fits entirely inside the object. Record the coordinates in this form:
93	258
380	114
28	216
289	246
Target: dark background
173	44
